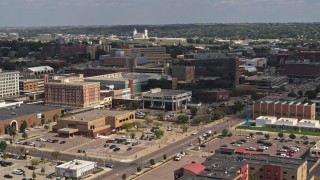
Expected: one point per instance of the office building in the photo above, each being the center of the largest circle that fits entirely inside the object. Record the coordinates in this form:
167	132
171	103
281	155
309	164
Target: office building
65	78
156	68
92	49
93	123
166	99
76	94
76	168
40	72
9	83
240	167
32	114
31	85
315	150
261	81
211	95
183	72
302	69
285	109
100	70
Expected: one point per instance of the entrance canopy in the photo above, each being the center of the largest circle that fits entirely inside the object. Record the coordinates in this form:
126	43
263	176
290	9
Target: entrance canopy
67	131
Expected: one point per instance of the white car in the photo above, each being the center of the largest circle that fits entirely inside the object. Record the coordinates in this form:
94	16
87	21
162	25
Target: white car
177	158
209	132
194	132
19	142
235	144
263	147
18	172
31	144
283	150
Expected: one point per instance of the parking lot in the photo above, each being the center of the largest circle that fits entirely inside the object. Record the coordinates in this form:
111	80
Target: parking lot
252	145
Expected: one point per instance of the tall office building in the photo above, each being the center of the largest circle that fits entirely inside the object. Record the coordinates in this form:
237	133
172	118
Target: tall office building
9	83
76	94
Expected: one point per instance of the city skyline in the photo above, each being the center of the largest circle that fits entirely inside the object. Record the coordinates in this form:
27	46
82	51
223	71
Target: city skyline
124	12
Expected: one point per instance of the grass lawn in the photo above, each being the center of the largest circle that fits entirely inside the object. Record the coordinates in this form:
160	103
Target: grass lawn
310	133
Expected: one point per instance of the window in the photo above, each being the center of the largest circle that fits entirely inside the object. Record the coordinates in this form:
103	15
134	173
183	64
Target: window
284	172
261	169
251	168
292	177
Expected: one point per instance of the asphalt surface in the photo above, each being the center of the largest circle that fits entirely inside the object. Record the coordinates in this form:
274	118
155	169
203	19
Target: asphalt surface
121	168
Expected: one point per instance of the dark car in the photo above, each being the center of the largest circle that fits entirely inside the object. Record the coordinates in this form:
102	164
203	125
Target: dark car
259	133
126	143
224	145
285	147
25	143
55	141
269	144
259	150
112	146
202	145
129	148
8	176
106	145
50	176
31	168
260	141
62	142
306	142
116	149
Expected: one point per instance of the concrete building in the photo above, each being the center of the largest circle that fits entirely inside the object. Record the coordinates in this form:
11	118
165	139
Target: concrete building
302	69
31	85
285	109
153	68
76	94
266	82
66	78
40	72
315	150
183	71
76	168
166	99
240	167
92	49
32	114
117	94
261	121
100	70
9	83
136	35
286	122
93	123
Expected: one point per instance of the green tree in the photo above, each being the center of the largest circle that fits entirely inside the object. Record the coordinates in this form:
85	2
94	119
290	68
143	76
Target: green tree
158	133
23	126
24	135
152	162
34	162
251	134
43	170
12	131
126	126
197	120
292	94
46	127
267	136
181	119
138	169
34	175
3	146
193	110
292	136
137	125
300	93
164	157
184	128
134	105
280	135
161	115
282	88
225	132
148	120
305	138
55	154
124	176
311	94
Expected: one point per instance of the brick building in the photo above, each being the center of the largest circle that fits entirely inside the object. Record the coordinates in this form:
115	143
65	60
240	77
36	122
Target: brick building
302	69
284	109
77	94
97	71
31	85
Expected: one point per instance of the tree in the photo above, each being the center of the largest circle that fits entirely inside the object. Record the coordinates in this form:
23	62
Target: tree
193	110
152	162
251	134
311	94
157	124
127	126
133	135
46	127
134	105
300	93
267	136
164	157
292	94
148	120
34	162
124	176
184	128
282	88
304	138
24	135
23	126
280	135
292	136
22	149
181	119
158	133
55	154
34	175
3	146
161	115
225	132
197	120
137	124
138	169
12	131
43	170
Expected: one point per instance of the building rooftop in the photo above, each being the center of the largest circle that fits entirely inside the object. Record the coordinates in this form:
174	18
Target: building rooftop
41	68
94	114
23	110
264	78
164	92
78	83
76	164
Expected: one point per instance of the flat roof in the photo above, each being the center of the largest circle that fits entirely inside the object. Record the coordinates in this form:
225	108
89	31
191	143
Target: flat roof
165	92
94	114
68	130
72	83
76	164
23	110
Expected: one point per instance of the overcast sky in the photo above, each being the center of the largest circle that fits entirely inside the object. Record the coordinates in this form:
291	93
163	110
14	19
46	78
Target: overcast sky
116	12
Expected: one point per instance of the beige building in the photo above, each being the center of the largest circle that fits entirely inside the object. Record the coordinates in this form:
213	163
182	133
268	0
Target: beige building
94	123
9	83
76	94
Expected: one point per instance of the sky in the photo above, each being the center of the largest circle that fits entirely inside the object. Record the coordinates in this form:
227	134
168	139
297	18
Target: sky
27	13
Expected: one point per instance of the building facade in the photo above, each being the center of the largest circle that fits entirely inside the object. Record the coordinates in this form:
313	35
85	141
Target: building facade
281	109
9	83
75	169
166	99
31	85
76	94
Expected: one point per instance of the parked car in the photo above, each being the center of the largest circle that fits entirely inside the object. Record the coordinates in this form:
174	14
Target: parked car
263	147
62	142
112	146
106	145
194	132
31	144
116	149
8	176
18	172
51	176
177	158
129	148
109	165
109	141
42	145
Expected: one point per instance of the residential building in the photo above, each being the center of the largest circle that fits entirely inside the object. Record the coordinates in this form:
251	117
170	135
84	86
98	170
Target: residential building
166	99
32	114
31	85
76	168
240	167
75	94
9	83
284	109
64	50
93	123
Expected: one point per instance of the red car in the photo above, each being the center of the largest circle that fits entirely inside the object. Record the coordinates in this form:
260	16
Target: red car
109	141
291	151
